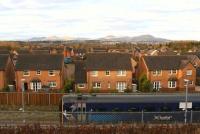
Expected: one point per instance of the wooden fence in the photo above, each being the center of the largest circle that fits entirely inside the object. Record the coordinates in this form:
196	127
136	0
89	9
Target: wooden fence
40	99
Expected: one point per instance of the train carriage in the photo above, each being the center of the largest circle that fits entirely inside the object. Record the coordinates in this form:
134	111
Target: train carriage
113	108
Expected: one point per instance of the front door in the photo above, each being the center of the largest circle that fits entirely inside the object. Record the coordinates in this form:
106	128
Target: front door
25	86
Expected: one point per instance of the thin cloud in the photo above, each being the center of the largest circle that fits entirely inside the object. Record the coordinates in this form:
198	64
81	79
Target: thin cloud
173	19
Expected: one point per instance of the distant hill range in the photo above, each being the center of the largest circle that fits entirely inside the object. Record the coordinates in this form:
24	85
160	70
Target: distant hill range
111	38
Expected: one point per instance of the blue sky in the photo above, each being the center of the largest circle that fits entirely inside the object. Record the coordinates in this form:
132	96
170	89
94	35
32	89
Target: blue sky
172	19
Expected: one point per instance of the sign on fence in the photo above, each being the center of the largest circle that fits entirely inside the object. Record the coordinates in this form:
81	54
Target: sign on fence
182	105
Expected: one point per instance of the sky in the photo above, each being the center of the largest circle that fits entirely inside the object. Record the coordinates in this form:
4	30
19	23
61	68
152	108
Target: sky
171	19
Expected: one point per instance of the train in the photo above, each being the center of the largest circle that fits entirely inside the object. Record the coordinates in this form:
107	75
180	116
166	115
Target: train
119	107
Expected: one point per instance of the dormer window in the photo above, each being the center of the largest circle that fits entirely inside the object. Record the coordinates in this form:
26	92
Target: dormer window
26	73
51	73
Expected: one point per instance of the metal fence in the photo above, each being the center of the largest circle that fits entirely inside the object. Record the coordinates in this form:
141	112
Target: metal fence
133	117
19	117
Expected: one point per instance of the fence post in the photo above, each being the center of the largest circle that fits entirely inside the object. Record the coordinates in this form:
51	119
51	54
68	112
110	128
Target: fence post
142	120
49	99
28	97
7	98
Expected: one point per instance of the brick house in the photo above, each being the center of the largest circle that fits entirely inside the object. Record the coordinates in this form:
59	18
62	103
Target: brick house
7	74
104	72
35	72
167	73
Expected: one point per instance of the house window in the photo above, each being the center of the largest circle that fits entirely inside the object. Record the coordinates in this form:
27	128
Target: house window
157	72
189	72
26	73
52	84
51	73
156	85
121	86
173	71
171	84
38	72
96	85
81	85
121	73
94	73
108	84
189	83
107	73
35	86
154	72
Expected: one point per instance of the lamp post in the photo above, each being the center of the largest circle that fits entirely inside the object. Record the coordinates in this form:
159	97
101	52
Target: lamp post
186	98
22	88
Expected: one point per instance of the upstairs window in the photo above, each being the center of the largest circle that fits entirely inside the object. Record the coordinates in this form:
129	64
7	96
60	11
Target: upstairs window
189	72
94	73
107	73
157	72
26	73
51	73
121	73
173	72
38	72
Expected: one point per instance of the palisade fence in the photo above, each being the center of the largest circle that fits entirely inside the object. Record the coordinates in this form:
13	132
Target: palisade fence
38	99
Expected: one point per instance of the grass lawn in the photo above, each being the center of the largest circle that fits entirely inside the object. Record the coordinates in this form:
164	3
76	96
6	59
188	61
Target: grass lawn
9	113
29	108
16	116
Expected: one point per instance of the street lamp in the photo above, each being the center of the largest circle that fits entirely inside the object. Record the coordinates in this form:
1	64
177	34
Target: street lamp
186	98
22	88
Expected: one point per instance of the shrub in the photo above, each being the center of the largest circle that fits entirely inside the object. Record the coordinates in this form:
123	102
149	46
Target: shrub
144	84
128	90
94	90
6	89
69	84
